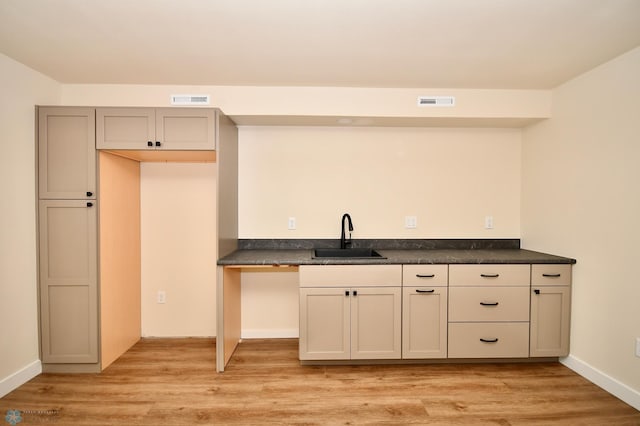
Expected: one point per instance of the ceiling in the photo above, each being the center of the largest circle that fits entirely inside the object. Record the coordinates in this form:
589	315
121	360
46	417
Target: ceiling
500	44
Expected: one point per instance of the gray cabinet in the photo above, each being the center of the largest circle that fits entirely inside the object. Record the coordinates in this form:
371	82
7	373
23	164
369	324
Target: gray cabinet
550	310
424	311
67	236
156	128
66	153
68	281
350	312
489	311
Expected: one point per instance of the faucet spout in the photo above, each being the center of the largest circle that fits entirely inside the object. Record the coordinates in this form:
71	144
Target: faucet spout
343	240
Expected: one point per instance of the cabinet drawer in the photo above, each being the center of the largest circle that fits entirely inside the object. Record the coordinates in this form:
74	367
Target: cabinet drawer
489	340
425	275
550	275
350	275
488	275
489	304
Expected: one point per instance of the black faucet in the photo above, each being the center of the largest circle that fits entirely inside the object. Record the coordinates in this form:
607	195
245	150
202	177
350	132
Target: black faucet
343	240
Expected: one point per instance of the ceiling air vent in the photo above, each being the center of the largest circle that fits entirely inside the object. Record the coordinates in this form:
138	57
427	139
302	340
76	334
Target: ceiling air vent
189	99
436	101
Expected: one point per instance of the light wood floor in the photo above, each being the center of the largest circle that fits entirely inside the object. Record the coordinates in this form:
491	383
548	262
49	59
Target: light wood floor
173	382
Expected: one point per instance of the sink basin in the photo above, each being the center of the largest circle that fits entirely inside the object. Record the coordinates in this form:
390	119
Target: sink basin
351	253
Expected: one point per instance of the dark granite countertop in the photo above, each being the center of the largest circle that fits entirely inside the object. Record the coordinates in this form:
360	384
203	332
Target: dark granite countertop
300	252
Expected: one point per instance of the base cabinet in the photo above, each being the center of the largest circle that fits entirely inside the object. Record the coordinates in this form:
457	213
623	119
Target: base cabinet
424	311
341	320
489	311
350	323
447	311
550	310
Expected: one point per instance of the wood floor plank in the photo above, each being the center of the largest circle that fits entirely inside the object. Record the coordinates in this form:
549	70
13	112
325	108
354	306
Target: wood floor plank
173	382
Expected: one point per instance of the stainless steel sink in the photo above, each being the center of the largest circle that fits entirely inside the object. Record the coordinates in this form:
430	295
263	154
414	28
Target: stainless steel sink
349	253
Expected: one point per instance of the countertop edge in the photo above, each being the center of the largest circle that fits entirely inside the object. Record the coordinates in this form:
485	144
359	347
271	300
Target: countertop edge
297	257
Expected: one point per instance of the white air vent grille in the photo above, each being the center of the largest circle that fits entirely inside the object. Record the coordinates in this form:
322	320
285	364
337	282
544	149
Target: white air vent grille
189	99
436	101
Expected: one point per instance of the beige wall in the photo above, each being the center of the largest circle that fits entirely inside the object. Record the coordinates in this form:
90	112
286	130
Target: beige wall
21	88
178	238
269	304
581	171
449	178
323	101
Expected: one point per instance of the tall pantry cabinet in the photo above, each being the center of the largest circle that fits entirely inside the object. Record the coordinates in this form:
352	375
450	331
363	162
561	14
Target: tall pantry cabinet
67	232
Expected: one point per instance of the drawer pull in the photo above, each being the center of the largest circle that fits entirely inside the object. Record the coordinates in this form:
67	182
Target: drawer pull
536	291
494	340
489	275
425	276
346	292
489	303
424	291
551	275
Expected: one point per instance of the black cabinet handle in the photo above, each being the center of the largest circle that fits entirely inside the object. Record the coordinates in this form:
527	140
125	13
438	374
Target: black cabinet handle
425	276
489	304
89	193
149	143
355	292
158	143
424	291
551	275
89	204
346	292
536	291
494	340
489	275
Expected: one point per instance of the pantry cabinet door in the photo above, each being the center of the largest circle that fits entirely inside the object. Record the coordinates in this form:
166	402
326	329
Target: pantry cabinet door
68	281
66	153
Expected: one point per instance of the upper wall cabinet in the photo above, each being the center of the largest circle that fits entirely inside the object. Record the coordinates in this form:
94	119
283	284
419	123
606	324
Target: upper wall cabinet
66	153
173	129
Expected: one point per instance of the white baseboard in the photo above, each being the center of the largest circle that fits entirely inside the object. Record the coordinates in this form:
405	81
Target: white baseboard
20	377
270	333
608	383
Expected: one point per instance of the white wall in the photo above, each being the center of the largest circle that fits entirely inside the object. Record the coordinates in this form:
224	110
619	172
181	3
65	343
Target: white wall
178	239
21	89
581	171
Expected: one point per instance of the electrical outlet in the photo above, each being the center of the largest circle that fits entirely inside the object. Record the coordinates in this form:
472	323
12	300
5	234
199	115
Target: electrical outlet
410	222
291	223
638	347
162	296
488	222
